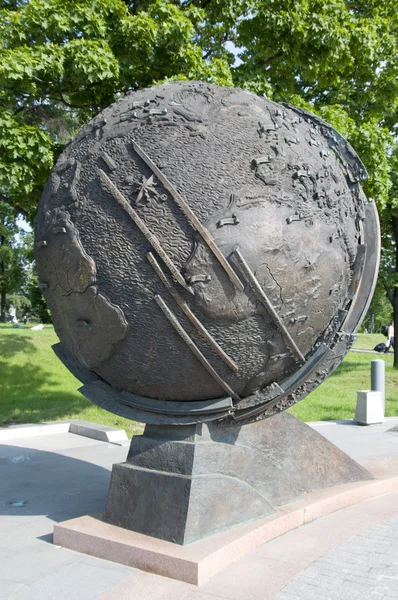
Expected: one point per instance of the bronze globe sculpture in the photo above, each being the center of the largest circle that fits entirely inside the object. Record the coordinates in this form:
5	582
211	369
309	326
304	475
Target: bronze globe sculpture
206	254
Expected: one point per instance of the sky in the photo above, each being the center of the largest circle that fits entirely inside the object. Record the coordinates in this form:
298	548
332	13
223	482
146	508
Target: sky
23	224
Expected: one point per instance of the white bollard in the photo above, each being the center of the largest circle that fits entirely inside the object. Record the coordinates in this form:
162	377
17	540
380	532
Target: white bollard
378	379
369	407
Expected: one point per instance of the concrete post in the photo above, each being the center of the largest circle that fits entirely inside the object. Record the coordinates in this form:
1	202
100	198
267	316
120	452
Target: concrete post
377	379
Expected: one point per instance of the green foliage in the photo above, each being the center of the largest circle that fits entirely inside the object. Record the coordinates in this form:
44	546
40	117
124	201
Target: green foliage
62	61
389	256
25	159
336	52
21	303
381	310
38	305
338	57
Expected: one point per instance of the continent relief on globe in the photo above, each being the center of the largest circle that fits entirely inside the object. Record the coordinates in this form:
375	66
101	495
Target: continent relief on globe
205	253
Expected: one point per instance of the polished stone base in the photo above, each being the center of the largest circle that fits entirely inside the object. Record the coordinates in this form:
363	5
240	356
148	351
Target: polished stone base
184	483
195	563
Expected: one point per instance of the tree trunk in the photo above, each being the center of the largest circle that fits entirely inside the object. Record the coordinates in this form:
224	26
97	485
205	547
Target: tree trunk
395	305
3	291
394	301
3	305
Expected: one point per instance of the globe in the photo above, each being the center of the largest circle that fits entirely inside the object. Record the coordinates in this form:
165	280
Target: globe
206	253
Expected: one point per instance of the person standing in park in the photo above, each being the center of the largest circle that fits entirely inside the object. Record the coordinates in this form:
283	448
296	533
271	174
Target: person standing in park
11	312
390	338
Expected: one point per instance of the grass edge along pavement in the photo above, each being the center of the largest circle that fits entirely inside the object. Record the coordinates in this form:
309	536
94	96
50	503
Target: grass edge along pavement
36	387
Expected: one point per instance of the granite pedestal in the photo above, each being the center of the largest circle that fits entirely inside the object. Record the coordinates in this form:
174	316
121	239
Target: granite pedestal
183	483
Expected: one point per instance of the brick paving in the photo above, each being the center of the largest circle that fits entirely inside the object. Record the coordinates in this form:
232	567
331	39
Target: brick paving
364	568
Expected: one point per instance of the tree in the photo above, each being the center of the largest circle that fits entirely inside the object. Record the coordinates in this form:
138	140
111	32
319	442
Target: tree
338	59
380	311
62	61
389	260
13	256
38	305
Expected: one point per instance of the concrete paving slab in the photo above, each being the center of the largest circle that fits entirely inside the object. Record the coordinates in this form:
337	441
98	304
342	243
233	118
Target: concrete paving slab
308	543
3	553
38	532
80	472
199	595
40	474
78	580
149	587
251	578
8	589
101	454
30	564
106	564
14	432
102	433
98	432
364	567
53	443
361	442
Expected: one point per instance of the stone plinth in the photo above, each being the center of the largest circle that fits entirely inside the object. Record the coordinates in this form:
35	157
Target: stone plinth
184	483
195	563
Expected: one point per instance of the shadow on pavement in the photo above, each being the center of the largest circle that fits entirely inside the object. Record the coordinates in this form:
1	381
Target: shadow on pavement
34	482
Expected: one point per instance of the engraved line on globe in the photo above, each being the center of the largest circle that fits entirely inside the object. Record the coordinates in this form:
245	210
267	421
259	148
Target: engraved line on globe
193	347
192	218
188	312
260	294
152	239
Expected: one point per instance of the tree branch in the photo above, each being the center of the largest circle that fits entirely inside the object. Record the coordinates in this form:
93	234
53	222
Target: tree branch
62	99
18	208
389	292
202	3
266	63
225	39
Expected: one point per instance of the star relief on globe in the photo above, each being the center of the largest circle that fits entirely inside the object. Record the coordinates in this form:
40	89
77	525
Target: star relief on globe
207	254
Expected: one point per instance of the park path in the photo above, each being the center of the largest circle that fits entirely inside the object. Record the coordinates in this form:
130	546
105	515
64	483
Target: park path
365	567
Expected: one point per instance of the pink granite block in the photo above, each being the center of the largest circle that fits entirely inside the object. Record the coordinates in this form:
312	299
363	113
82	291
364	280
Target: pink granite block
348	497
195	563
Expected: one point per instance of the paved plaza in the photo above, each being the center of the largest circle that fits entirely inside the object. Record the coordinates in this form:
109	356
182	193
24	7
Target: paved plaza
365	567
46	479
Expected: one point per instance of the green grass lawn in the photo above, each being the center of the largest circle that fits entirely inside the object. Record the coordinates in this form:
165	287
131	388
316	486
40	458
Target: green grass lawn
367	341
36	387
336	397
